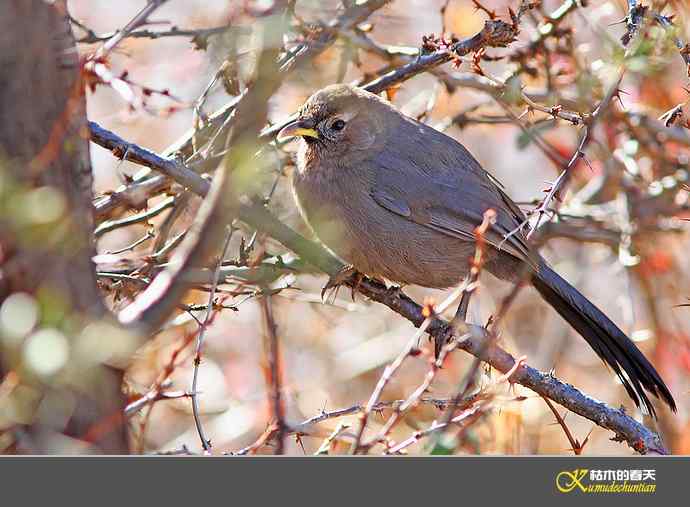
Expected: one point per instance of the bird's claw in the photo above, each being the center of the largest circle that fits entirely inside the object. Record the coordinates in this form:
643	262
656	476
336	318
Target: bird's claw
441	340
452	332
340	278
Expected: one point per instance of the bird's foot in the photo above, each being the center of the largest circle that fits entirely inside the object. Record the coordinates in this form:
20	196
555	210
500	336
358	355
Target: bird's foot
455	329
440	340
341	278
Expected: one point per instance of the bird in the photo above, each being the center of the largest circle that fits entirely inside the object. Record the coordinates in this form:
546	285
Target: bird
398	200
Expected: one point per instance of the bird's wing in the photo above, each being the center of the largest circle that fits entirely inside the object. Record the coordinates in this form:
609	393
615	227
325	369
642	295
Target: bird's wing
444	188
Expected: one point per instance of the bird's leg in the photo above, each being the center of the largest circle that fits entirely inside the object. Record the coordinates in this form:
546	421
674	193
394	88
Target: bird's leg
459	320
439	342
340	278
461	313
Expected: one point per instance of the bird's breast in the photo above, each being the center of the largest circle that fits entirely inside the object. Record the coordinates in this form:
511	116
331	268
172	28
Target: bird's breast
345	217
332	210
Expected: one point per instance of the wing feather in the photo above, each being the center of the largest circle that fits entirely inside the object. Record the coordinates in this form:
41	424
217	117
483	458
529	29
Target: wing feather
447	193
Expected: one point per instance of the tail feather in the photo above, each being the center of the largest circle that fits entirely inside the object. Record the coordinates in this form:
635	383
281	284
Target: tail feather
610	343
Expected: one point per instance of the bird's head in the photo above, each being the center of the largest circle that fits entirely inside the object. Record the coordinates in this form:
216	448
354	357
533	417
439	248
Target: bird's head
339	120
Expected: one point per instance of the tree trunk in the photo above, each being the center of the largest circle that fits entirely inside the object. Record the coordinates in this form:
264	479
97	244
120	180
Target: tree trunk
46	243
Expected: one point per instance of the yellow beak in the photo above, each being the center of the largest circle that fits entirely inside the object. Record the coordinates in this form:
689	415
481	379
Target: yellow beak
296	128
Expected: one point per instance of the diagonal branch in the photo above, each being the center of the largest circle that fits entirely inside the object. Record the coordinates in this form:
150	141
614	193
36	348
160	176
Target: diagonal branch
139	20
150	309
478	342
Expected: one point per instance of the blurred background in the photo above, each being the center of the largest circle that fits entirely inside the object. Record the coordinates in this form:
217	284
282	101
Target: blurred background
627	203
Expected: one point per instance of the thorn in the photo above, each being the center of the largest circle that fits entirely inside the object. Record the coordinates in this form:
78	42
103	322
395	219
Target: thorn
617	95
621	22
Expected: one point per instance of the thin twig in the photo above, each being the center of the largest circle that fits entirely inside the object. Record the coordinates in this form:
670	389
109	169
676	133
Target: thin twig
272	347
149	235
393	367
197	34
625	427
138	20
144	216
151	307
388	373
466	418
206	444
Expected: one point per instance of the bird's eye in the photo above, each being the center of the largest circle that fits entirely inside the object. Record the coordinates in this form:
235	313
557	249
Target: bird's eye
338	125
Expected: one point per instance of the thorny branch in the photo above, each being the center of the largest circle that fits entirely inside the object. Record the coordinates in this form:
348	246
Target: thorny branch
625	427
137	21
274	372
435	52
464	292
205	442
308	426
199	36
575	445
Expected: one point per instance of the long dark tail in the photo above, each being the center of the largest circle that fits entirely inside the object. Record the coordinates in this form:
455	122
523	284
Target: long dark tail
610	343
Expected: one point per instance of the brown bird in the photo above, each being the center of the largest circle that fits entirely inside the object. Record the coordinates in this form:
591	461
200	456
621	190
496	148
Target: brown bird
399	200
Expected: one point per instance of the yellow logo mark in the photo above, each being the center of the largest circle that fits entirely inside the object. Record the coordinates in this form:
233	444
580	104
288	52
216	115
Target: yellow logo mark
567	481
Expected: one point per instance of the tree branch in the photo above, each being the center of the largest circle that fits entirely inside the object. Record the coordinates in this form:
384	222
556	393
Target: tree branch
625	428
495	33
154	305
